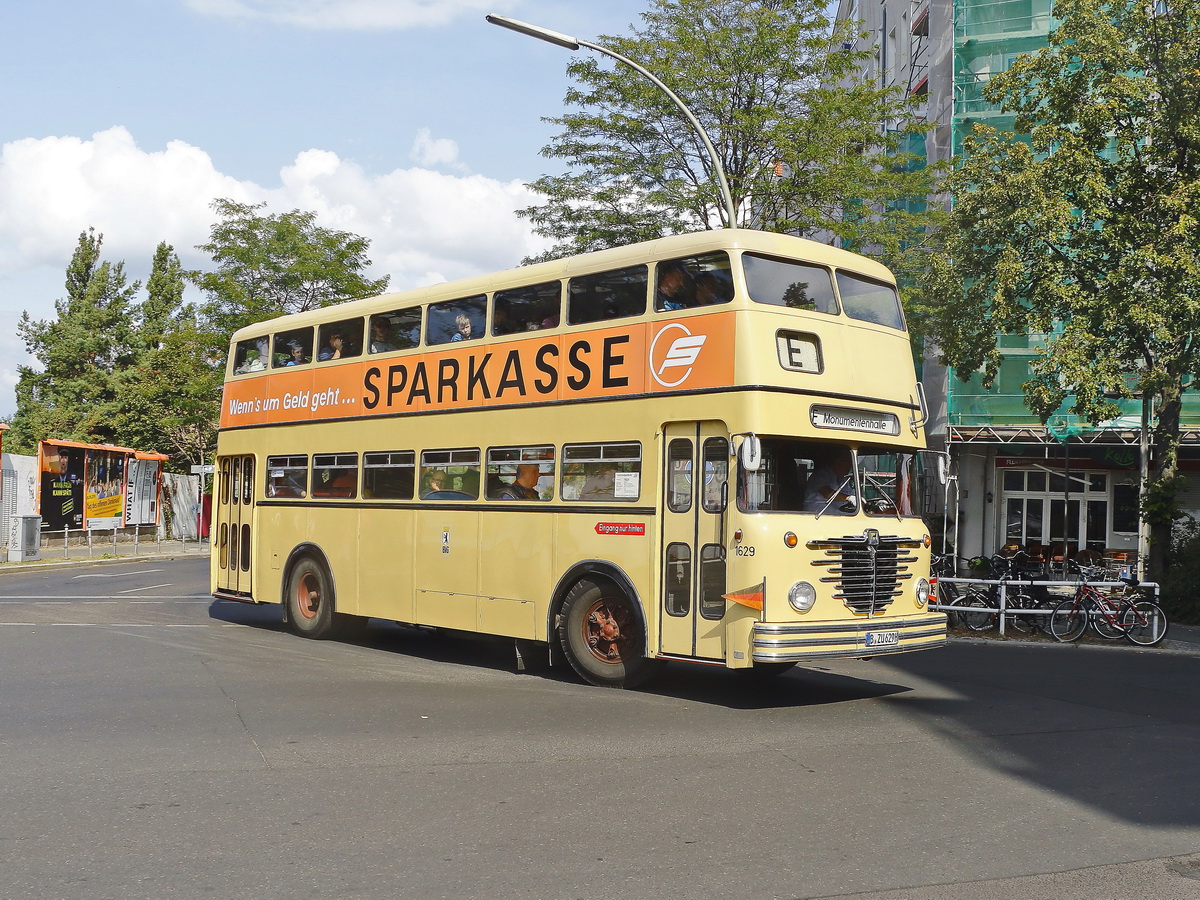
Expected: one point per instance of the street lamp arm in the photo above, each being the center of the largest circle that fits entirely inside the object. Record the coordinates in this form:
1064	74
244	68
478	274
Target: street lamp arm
573	43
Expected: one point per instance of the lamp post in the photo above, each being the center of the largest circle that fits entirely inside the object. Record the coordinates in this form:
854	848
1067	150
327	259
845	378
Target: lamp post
572	43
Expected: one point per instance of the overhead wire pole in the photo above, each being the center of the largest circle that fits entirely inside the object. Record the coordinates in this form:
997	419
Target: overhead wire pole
572	43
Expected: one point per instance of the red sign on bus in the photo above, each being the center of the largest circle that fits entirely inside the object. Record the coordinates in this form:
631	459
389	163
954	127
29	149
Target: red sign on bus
621	528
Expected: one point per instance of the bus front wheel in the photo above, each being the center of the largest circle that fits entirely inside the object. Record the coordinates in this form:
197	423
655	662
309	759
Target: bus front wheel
602	636
310	599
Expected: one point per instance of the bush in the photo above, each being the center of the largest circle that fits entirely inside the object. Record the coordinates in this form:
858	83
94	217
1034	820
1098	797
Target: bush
1181	590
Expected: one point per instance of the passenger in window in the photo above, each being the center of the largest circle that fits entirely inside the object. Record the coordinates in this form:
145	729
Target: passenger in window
712	288
297	355
676	290
462	325
381	337
334	347
830	484
524	485
433	481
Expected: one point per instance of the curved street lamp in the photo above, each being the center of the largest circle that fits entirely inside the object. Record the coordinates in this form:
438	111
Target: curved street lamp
572	43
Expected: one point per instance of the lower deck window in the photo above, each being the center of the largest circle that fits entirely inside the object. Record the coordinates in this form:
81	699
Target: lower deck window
335	475
450	475
287	476
389	476
602	472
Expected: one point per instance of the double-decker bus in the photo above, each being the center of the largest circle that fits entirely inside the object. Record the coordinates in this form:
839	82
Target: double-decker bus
696	448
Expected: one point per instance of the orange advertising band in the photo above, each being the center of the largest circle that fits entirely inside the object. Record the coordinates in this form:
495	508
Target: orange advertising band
694	354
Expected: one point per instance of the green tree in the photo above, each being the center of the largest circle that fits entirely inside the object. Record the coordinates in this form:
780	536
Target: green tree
1082	226
73	393
801	155
271	265
170	400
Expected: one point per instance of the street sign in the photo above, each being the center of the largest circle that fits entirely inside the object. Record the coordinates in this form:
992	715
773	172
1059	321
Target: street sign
202	470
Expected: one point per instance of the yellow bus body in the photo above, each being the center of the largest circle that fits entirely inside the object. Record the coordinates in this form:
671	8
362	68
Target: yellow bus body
665	383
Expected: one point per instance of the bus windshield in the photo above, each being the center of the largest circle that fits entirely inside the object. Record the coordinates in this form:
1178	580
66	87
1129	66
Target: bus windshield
800	476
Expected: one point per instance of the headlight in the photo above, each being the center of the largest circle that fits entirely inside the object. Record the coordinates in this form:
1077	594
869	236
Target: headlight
922	592
802	596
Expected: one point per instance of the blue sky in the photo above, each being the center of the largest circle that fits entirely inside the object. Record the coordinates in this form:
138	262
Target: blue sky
411	122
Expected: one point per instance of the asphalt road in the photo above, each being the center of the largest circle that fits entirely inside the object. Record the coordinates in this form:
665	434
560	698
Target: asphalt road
154	743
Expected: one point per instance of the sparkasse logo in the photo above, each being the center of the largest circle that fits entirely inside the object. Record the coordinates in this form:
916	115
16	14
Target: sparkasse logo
679	350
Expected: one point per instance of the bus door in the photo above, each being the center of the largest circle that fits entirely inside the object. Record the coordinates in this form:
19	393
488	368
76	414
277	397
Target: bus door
235	505
695	471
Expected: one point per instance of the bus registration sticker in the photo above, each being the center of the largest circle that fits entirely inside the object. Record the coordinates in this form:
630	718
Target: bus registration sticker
882	638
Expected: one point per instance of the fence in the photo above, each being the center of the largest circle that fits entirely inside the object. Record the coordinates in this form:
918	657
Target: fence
1004	585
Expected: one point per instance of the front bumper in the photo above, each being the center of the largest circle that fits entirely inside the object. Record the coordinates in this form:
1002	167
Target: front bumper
796	642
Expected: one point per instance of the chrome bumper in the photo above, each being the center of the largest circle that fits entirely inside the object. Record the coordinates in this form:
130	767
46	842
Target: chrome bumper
796	642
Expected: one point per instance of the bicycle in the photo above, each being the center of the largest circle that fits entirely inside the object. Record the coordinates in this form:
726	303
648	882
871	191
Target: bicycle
987	597
1112	617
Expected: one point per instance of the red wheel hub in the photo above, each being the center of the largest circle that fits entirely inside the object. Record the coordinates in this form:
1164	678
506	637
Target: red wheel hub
308	596
608	628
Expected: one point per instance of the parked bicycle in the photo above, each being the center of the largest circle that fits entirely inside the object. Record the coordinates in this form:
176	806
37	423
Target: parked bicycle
1112	616
1010	571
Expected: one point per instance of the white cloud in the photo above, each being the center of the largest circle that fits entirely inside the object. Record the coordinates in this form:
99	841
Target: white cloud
424	226
430	151
347	14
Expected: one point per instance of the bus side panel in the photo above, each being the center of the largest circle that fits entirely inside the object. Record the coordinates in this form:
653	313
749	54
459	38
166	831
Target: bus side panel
446	547
515	571
385	565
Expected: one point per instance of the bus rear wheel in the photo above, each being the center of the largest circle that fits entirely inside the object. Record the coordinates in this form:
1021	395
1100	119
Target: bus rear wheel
602	636
310	599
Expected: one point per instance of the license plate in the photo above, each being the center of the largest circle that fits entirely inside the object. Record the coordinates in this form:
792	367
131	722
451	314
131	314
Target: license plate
883	638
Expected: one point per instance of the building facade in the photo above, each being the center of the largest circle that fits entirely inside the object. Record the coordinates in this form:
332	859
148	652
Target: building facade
1054	489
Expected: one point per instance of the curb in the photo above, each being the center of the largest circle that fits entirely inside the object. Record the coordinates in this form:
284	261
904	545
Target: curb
51	564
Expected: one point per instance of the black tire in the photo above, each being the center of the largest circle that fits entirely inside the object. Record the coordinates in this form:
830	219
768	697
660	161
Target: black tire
602	636
976	621
1145	623
309	599
1067	622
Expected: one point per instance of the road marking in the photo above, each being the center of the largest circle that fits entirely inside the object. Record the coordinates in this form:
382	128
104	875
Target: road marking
118	574
102	598
148	587
115	625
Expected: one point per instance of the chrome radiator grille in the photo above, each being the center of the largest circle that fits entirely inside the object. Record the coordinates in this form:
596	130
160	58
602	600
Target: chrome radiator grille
868	569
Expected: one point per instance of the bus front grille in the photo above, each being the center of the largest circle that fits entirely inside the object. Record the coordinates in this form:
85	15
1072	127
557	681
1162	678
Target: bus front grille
867	570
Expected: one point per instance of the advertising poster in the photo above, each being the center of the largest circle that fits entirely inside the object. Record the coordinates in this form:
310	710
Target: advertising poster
61	495
104	497
141	491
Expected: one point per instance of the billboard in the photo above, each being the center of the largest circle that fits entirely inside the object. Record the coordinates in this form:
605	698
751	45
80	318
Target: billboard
97	486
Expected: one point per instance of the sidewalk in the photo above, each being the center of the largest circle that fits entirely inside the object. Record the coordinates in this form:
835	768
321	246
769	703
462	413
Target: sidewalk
104	553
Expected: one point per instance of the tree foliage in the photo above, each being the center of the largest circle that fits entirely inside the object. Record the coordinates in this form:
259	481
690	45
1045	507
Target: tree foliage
757	74
1082	226
272	265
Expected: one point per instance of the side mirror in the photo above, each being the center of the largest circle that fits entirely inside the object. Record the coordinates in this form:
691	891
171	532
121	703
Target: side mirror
750	453
941	469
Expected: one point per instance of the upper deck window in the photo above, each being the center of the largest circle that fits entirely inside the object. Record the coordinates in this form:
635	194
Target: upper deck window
607	295
340	340
692	281
456	320
782	282
396	330
527	308
292	348
251	355
870	301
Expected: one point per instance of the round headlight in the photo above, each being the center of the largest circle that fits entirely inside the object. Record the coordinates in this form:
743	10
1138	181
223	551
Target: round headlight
922	592
802	596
